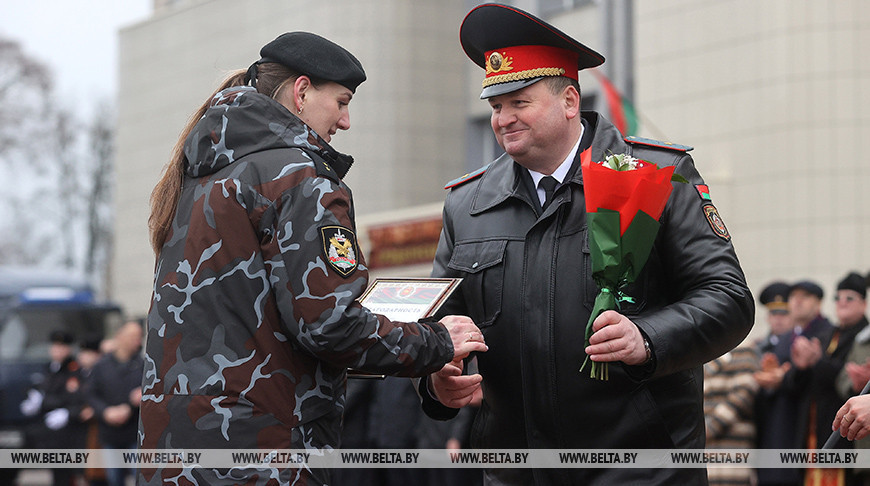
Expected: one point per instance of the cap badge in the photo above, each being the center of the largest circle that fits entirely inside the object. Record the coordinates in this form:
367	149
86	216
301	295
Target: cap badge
497	63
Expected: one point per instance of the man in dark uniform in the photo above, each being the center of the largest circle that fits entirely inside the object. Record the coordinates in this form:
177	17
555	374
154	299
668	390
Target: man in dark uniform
528	285
776	404
60	403
805	309
774	298
817	365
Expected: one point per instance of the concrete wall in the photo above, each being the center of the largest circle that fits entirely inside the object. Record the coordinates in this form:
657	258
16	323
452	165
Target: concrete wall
773	96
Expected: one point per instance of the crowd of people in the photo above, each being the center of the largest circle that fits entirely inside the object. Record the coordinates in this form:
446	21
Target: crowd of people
785	390
88	398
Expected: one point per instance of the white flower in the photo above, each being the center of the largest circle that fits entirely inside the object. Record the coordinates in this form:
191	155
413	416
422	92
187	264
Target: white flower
621	162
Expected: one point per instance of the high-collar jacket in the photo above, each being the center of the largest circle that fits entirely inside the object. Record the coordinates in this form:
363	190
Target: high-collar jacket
254	318
527	282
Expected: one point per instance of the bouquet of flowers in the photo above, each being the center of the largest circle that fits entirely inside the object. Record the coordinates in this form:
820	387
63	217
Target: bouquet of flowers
625	197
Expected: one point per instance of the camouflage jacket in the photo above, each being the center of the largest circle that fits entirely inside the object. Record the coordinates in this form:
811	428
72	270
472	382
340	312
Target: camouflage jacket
254	317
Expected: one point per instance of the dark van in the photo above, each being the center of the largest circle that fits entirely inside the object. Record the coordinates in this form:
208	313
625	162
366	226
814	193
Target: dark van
33	303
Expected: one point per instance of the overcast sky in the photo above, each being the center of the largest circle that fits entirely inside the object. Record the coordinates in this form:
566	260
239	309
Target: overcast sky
76	39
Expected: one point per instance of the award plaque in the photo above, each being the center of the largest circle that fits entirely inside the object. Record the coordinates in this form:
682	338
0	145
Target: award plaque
405	300
408	299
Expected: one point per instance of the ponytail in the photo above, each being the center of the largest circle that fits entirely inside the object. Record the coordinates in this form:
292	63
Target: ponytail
164	197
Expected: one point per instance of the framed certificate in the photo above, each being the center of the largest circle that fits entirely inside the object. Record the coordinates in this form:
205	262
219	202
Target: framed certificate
405	300
408	299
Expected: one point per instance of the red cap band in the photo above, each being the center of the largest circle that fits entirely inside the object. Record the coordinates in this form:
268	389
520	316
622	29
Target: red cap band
525	62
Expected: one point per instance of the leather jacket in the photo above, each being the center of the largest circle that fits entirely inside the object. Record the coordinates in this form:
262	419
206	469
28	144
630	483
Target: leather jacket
527	283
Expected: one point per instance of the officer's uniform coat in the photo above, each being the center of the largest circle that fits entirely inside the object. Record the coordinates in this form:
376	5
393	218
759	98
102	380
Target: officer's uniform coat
527	283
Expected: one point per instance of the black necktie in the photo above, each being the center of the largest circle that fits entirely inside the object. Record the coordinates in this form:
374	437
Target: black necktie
548	184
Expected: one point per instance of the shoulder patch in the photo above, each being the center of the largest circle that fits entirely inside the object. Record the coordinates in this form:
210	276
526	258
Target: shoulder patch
340	249
704	192
467	177
657	143
716	222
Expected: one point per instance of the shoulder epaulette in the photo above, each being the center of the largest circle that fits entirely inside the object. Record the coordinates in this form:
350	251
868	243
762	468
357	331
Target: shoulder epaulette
467	177
657	143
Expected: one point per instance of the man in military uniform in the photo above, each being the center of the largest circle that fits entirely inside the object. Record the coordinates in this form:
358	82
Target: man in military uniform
58	401
775	405
522	249
817	363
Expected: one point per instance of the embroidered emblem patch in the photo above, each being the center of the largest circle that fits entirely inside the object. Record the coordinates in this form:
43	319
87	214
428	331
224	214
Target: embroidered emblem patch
716	222
340	249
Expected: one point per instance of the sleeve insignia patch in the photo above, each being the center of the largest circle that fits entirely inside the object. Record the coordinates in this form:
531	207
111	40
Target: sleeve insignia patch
340	249
716	222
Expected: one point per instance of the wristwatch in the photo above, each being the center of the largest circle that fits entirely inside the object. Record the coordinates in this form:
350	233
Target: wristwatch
648	351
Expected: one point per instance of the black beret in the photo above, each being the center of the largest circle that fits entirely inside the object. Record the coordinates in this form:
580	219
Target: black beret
60	337
855	282
809	287
91	342
775	296
314	56
494	27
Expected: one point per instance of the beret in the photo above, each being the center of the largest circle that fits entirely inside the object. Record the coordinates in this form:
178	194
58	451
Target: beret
518	49
775	296
855	282
315	56
809	287
91	342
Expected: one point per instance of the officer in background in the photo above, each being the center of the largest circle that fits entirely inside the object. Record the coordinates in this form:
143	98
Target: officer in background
516	232
58	401
805	308
856	372
775	403
816	377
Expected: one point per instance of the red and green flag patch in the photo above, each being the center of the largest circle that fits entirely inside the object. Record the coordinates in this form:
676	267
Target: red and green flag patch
704	192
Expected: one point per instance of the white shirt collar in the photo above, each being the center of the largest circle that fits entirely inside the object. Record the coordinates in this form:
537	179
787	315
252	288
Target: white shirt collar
561	172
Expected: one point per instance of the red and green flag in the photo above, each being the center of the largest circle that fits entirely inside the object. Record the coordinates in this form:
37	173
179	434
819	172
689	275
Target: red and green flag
622	112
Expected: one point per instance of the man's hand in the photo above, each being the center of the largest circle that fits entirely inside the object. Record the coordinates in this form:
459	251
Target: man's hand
771	379
135	397
453	389
616	338
466	337
805	353
117	414
853	418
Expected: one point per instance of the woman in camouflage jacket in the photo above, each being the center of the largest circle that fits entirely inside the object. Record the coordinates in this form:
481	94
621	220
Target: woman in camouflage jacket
254	318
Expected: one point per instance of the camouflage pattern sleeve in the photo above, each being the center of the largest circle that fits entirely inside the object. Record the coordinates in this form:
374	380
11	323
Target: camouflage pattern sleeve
318	273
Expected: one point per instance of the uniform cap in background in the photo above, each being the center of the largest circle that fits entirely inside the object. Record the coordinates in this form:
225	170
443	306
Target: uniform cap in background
855	282
809	287
775	297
